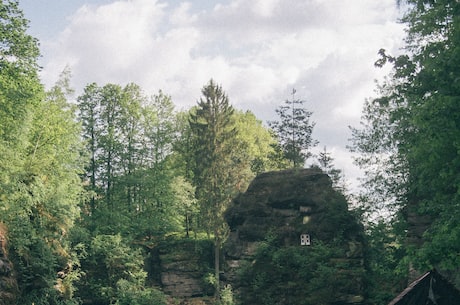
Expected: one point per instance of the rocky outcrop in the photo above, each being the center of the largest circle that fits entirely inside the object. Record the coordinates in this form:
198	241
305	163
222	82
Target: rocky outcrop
302	209
182	266
8	284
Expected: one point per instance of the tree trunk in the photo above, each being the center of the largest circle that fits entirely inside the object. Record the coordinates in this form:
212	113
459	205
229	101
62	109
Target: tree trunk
187	229
217	266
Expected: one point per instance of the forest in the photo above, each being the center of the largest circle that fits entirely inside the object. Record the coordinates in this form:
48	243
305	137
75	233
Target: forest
88	183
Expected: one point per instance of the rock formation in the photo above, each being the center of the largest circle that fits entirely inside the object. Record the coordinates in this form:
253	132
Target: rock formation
303	211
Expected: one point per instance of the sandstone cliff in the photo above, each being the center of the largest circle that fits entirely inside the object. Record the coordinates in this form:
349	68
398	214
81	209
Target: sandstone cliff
294	213
179	267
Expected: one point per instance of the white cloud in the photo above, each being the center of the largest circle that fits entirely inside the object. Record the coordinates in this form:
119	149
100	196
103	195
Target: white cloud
258	50
182	16
265	8
107	43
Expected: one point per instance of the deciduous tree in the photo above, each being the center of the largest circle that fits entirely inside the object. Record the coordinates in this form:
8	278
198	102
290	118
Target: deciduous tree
39	166
256	145
129	138
409	140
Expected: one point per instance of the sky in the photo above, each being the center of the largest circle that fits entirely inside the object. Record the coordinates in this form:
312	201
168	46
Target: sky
258	50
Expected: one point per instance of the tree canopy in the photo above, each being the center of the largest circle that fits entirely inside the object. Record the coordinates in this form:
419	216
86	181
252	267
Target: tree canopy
408	143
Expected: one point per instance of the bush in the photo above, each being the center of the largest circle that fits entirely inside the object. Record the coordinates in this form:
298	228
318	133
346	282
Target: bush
226	296
115	275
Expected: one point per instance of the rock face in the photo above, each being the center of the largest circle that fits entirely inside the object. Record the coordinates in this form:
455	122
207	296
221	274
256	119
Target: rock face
8	284
303	211
181	266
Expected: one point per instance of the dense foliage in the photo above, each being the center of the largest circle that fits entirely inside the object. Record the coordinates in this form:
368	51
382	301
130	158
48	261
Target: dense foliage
115	275
280	274
39	164
409	141
130	175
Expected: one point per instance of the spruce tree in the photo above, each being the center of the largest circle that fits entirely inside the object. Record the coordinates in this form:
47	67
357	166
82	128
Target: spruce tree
215	171
294	131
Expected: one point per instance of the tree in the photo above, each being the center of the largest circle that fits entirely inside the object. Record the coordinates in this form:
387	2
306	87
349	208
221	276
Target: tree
215	168
110	139
88	118
185	202
45	206
386	269
132	153
20	92
294	131
19	83
409	140
326	163
157	171
257	145
39	165
129	138
160	131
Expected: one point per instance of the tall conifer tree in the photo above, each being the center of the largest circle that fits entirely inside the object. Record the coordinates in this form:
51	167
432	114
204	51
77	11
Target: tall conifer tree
215	171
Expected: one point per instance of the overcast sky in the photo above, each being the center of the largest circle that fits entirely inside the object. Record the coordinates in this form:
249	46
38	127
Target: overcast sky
258	50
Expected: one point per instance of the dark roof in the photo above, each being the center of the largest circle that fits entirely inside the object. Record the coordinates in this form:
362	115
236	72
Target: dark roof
430	289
